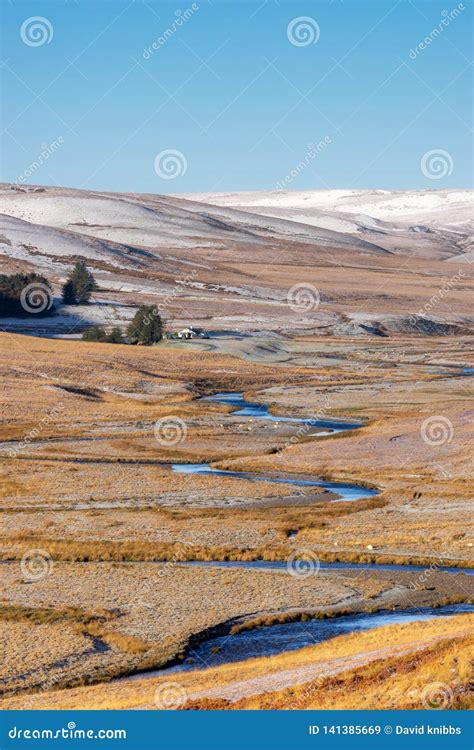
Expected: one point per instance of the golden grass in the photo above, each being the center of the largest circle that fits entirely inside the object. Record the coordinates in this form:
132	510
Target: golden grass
434	678
403	662
78	551
127	643
388	452
422	515
10	487
154	609
48	615
438	676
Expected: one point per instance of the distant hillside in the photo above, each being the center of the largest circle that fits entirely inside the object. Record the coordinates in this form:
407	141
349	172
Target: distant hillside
233	261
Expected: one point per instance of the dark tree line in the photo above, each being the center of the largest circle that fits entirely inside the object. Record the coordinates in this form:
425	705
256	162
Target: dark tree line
14	302
146	328
22	294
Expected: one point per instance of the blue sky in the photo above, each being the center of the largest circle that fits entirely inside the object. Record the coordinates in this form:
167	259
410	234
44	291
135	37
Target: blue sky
234	95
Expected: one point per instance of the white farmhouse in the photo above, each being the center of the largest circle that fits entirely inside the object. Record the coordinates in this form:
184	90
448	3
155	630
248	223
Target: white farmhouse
192	333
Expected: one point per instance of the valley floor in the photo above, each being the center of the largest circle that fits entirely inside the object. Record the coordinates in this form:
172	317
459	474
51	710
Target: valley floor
96	524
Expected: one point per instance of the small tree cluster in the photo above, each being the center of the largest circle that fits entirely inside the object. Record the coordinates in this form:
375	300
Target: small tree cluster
79	285
146	327
97	333
13	286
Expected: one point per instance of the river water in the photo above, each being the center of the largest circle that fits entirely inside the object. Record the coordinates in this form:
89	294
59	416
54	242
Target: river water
276	639
316	427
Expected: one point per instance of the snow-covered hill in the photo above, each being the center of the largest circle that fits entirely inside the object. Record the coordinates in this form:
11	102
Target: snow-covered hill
233	260
386	217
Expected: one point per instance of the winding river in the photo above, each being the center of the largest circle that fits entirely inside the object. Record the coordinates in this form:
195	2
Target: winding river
221	647
282	566
316	428
243	408
276	639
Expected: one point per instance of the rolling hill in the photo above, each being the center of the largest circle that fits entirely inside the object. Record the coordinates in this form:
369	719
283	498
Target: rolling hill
230	260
